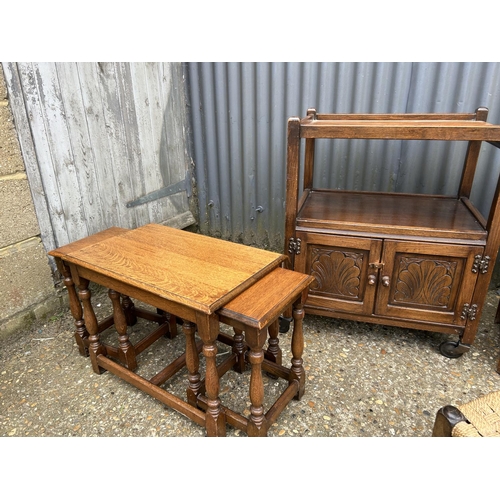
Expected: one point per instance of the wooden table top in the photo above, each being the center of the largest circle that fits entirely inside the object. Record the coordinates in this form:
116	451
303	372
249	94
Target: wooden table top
260	304
198	271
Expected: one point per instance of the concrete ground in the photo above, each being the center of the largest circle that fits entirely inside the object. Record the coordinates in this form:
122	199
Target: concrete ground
361	380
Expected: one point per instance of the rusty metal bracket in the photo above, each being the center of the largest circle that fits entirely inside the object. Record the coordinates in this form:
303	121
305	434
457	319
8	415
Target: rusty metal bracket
159	193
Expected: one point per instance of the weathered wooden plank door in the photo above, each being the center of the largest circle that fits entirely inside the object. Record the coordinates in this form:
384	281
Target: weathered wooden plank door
105	144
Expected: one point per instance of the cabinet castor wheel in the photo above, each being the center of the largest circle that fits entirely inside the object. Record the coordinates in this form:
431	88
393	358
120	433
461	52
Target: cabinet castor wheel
452	349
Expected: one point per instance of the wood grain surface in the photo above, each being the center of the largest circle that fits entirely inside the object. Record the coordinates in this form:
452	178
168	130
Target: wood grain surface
445	130
391	213
198	271
88	241
262	302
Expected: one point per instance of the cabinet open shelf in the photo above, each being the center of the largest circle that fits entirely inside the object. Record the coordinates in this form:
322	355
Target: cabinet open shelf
394	214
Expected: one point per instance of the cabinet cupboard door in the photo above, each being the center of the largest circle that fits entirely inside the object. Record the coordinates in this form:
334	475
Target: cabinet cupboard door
426	281
341	266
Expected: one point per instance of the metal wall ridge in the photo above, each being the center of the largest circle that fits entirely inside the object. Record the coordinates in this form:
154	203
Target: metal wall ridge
239	112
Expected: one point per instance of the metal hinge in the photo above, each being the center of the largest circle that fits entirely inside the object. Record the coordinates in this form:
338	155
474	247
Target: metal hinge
469	312
294	246
480	264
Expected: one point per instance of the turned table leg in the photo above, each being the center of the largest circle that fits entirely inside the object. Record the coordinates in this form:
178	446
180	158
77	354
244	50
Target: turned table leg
192	363
81	333
273	349
126	352
215	422
95	346
215	418
129	310
297	369
239	348
172	323
257	424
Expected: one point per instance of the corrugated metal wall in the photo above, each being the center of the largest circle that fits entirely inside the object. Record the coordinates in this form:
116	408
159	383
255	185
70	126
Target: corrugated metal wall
239	113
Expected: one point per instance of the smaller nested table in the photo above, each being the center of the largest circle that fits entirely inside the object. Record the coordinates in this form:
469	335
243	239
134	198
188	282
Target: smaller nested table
256	312
188	275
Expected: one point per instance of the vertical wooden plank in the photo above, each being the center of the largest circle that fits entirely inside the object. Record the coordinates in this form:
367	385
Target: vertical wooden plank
43	153
471	158
174	163
59	144
148	139
81	146
96	124
16	100
166	124
112	113
173	160
132	140
160	177
292	181
309	164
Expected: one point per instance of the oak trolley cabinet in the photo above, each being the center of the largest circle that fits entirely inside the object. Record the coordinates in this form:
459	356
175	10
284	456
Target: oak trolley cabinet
407	260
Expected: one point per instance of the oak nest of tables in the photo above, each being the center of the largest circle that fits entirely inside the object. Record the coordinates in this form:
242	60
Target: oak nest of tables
200	282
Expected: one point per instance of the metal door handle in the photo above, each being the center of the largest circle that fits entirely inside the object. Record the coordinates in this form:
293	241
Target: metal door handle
385	280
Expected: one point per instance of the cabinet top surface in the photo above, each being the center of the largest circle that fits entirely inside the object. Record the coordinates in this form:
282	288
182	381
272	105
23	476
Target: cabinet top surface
390	213
201	272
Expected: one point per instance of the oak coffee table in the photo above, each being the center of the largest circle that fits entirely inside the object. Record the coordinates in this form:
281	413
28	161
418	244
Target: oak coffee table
188	275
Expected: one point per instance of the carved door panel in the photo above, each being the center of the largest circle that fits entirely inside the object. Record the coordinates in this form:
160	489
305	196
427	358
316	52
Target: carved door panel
426	281
341	265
